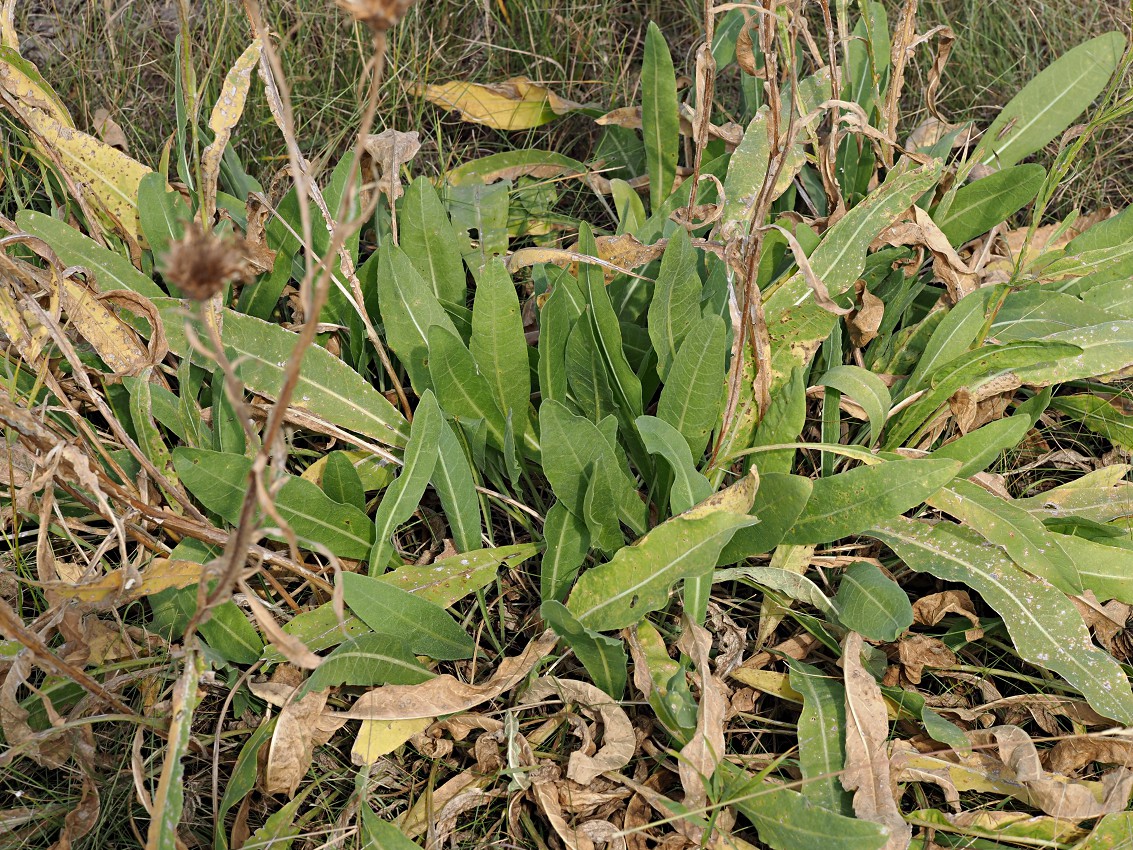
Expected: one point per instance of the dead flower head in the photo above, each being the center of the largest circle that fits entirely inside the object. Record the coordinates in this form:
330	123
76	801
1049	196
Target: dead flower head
202	262
379	15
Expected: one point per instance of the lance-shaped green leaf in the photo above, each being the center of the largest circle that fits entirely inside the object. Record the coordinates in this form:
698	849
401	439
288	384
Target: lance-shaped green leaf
872	604
786	820
567	540
747	170
1100	496
497	342
404	495
791	584
1043	623
426	628
555	320
638	578
689	486
852	501
318	629
220	481
430	242
461	390
1050	102
1022	536
981	205
379	658
587	373
409	308
675	305
327	387
448	580
778	504
1104	569
341	481
243	777
822	743
694	390
1105	348
864	387
952	337
455	484
603	657
660	121
169	798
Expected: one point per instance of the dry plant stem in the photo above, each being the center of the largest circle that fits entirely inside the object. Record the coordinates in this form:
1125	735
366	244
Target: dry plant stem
315	291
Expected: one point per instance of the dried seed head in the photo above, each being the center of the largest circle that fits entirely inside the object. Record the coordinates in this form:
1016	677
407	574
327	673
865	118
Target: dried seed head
201	262
379	15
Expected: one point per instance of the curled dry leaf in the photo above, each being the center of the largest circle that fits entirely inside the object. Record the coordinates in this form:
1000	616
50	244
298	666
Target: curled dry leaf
1070	755
109	130
921	231
388	152
867	771
865	321
618	739
930	610
446	694
919	651
292	743
701	755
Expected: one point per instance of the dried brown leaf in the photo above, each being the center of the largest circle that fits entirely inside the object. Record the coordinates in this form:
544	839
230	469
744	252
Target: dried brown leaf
865	321
919	651
930	610
292	744
947	266
701	755
867	771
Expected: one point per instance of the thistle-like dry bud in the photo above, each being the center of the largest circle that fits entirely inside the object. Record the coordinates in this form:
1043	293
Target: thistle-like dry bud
201	262
379	15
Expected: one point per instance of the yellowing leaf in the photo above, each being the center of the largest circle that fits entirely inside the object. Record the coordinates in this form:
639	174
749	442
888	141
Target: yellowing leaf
377	738
225	115
114	340
161	574
515	104
21	82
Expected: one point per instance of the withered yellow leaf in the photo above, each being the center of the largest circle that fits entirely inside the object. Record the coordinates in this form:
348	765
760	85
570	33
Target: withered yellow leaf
22	83
225	115
515	104
115	341
377	738
161	574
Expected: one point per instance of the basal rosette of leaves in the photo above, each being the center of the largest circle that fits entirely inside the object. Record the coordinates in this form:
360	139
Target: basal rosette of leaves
759	396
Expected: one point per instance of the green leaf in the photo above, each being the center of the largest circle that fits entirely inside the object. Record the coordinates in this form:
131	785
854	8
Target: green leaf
1106	348
461	390
786	820
409	308
483	209
242	779
603	657
426	628
1107	233
1050	102
430	243
455	484
638	578
162	213
404	495
586	373
747	171
675	305
1022	536
778	504
694	391
342	482
793	585
872	604
1037	311
379	658
1099	415
822	745
381	835
497	343
568	541
864	387
555	320
982	204
850	502
149	437
782	423
1103	569
227	432
978	449
689	486
1044	625
318	629
327	387
260	298
955	334
220	481
508	165
449	580
660	122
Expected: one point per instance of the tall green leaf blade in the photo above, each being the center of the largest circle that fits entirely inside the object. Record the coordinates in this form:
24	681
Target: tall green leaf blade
778	505
404	495
429	241
872	604
689	486
675	305
782	422
162	213
448	580
341	481
327	387
660	120
638	578
603	657
864	387
497	343
426	628
1044	625
955	334
850	502
1050	102
747	171
242	779
461	390
409	308
981	205
378	658
694	392
1103	569
822	743
568	541
555	320
219	481
455	484
587	373
1106	348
